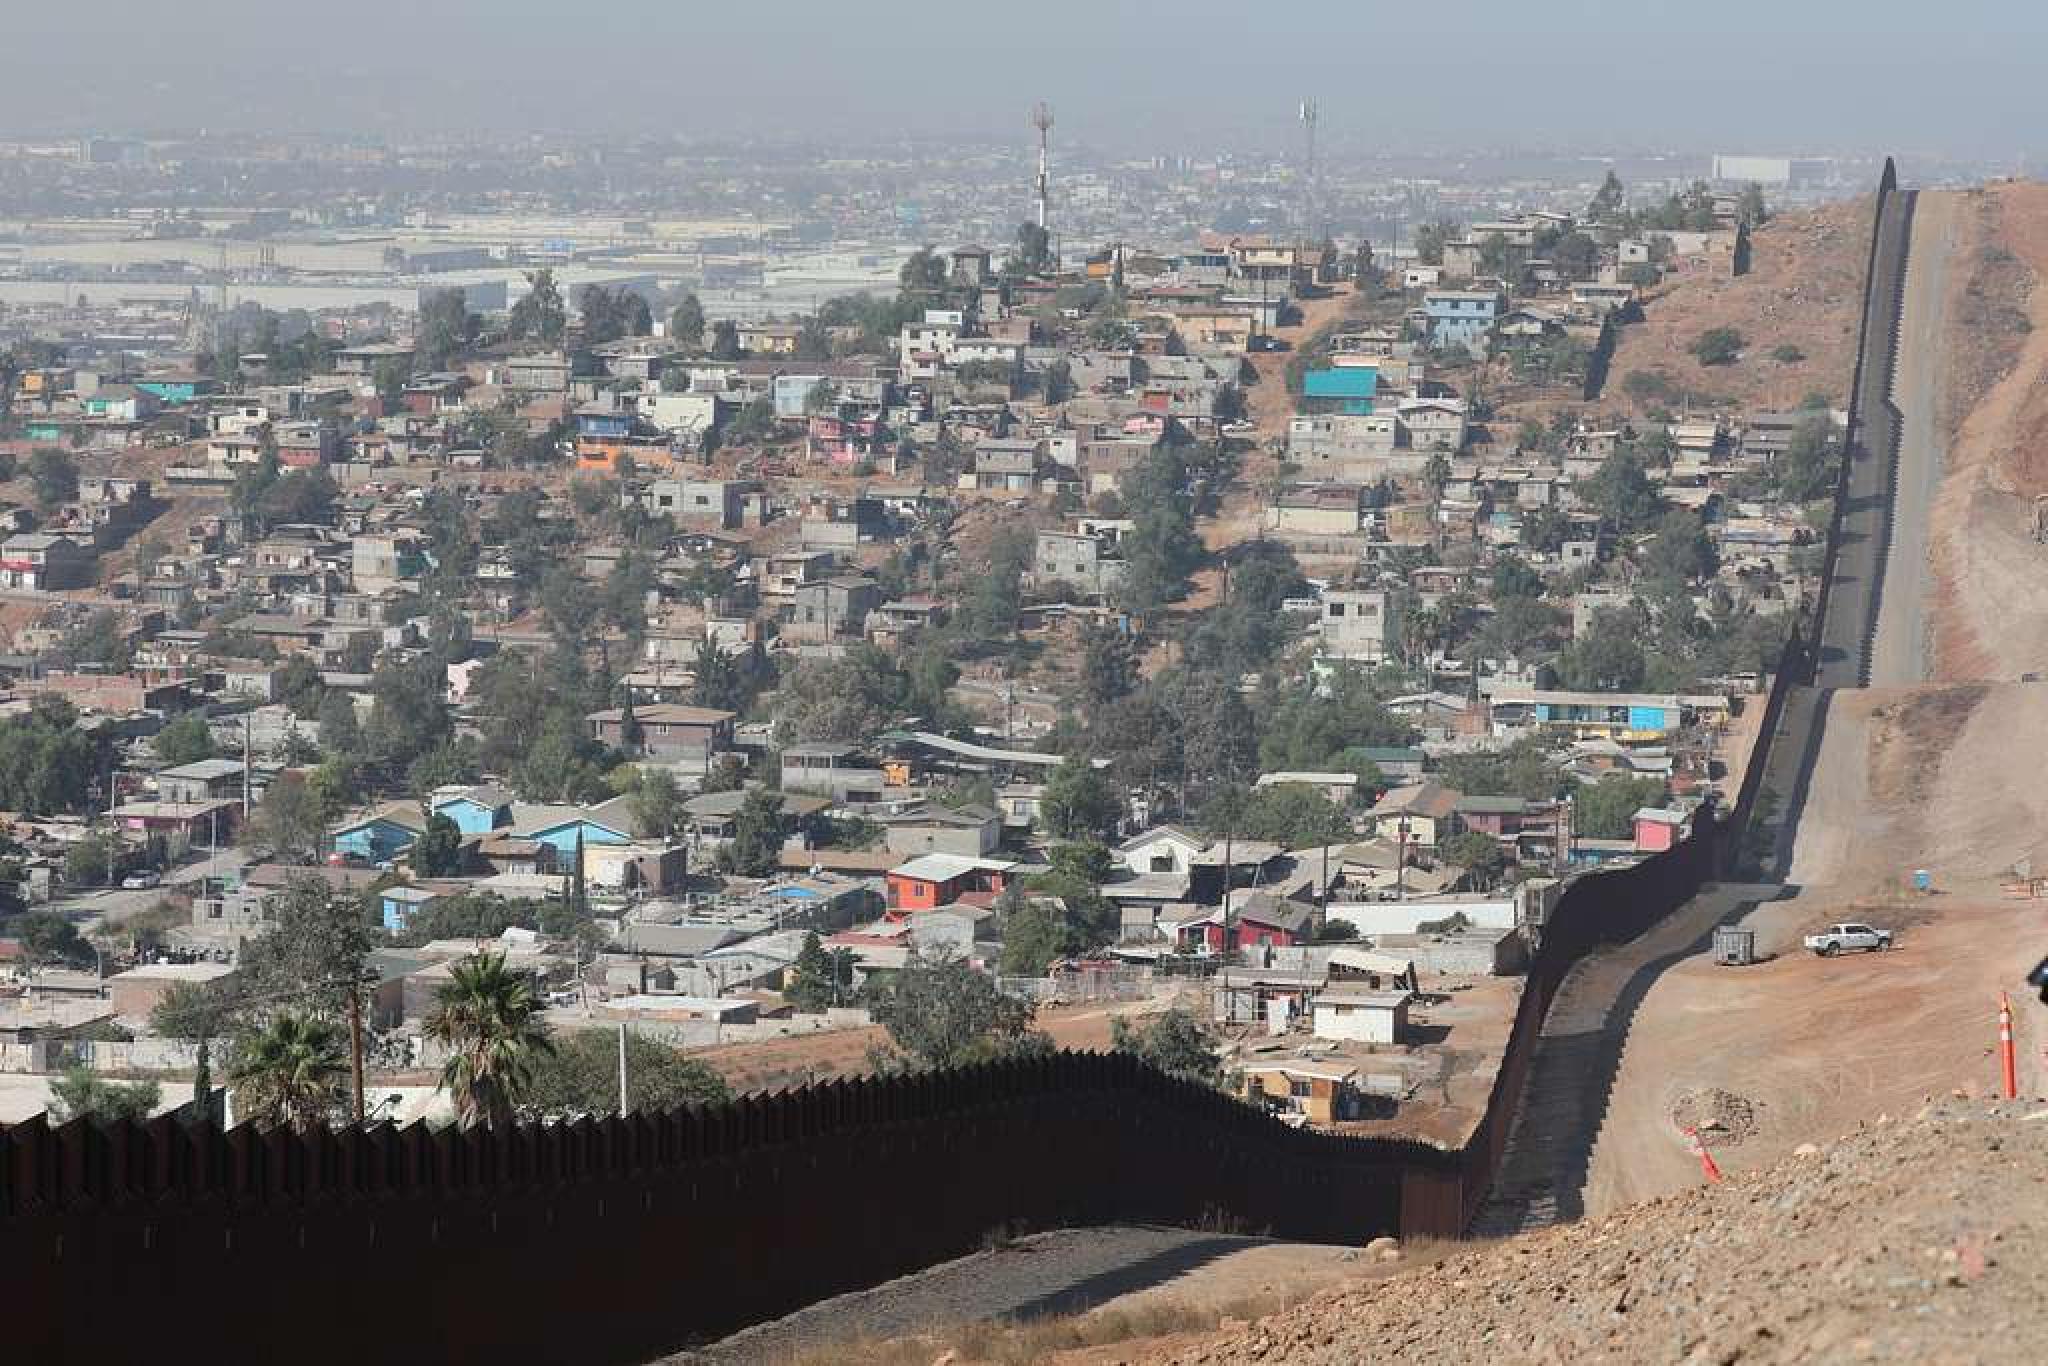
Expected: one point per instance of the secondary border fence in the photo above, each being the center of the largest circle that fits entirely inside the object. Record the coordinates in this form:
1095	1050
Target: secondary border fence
616	1240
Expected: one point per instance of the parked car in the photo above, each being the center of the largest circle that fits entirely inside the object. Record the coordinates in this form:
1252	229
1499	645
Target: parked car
138	882
1836	938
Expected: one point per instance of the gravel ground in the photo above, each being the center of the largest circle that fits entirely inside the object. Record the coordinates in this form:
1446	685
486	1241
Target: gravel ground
1046	1274
1917	1241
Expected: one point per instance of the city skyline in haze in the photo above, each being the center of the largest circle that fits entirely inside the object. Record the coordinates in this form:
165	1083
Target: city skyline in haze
1200	76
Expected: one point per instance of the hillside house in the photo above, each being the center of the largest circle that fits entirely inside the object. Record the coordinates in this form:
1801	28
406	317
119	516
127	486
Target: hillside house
933	880
1363	624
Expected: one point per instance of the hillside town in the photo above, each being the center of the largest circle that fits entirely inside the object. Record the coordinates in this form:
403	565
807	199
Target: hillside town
1251	631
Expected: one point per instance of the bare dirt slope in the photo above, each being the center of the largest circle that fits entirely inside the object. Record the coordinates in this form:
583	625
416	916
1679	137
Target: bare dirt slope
1924	1240
1803	289
1991	617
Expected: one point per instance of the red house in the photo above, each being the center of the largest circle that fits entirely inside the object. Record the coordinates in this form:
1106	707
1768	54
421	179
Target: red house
1658	830
1258	919
930	881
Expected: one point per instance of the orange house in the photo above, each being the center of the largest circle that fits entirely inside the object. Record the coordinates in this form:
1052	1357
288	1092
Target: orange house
930	881
600	454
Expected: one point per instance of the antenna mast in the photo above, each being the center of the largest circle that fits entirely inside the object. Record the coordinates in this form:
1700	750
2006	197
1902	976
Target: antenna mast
1041	119
1310	228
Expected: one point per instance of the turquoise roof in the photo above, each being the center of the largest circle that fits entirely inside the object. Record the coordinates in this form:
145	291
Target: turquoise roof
1350	381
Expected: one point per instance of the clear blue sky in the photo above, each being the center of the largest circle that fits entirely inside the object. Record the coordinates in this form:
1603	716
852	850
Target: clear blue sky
1788	75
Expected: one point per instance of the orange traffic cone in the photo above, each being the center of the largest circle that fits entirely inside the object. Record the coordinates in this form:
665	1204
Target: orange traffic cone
1707	1164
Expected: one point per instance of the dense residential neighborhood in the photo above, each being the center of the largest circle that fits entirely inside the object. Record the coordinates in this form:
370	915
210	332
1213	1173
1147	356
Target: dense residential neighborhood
1258	627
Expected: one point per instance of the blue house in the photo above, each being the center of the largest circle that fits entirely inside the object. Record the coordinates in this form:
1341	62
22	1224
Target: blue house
476	811
1347	389
382	836
1461	317
603	423
562	826
397	906
178	388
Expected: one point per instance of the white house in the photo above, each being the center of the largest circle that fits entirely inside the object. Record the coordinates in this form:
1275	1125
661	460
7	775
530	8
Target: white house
1361	1014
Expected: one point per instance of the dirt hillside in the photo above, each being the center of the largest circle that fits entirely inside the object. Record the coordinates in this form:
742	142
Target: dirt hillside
1802	291
1987	566
1924	1241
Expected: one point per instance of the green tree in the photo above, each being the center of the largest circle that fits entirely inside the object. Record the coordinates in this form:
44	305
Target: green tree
1681	552
1807	469
290	821
47	937
1032	254
290	1072
1606	810
1608	201
1293	815
1479	854
488	1019
1036	933
53	476
725	340
1161	549
756	846
313	954
923	273
1430	239
46	760
657	802
447	329
185	740
1621	491
1608	657
540	315
940	1012
1079	801
82	1094
1173	1041
1751	211
1109	665
814	979
609	314
580	1076
340	732
1717	346
686	323
438	851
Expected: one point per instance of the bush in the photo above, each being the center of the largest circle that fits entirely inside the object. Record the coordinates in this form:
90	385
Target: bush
1787	354
1717	346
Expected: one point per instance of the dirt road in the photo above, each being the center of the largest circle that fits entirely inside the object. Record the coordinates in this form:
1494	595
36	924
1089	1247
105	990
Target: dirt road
1900	651
1050	1274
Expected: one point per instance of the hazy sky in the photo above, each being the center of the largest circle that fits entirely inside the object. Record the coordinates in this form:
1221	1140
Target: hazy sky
1761	75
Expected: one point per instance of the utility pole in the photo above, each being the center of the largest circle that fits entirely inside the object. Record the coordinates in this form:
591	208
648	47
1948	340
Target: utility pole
245	767
355	1043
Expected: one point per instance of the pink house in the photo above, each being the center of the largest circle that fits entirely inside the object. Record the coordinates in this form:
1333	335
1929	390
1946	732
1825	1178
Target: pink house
1658	830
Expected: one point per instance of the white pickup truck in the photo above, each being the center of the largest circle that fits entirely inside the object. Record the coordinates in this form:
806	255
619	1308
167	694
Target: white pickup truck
1837	938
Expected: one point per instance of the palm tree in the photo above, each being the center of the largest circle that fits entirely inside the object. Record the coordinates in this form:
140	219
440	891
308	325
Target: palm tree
487	1018
291	1072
